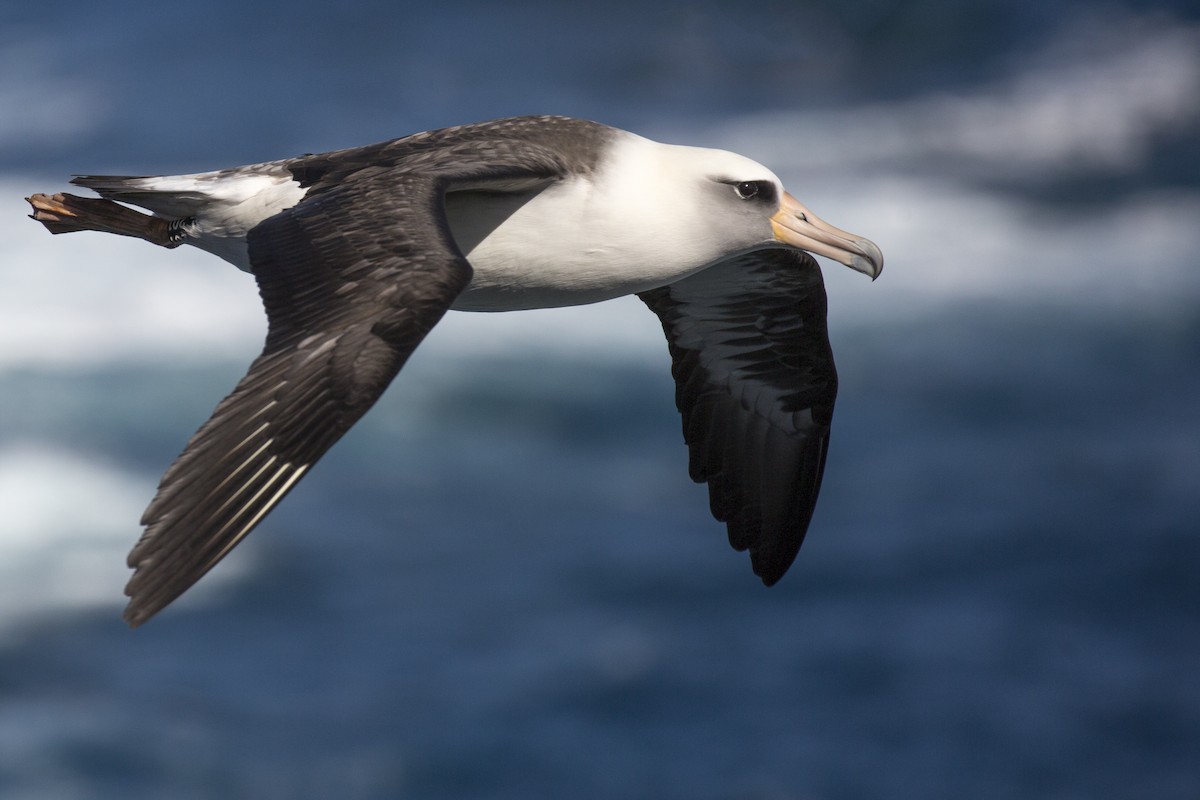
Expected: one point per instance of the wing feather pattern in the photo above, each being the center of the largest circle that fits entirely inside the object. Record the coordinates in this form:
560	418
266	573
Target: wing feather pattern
352	279
755	384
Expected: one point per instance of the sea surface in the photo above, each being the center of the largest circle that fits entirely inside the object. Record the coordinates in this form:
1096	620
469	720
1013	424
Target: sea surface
502	584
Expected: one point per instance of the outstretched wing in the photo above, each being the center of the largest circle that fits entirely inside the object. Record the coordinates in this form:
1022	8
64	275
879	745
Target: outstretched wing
349	294
755	383
352	278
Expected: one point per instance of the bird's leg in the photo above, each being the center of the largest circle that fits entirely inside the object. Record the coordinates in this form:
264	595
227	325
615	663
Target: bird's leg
65	213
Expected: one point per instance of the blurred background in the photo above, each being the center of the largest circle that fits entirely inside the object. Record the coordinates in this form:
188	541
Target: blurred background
502	584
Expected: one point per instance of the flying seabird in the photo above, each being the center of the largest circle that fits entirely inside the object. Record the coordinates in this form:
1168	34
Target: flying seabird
358	253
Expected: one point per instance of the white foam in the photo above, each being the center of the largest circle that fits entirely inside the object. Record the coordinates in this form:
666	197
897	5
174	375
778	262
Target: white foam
89	298
68	522
946	244
1096	100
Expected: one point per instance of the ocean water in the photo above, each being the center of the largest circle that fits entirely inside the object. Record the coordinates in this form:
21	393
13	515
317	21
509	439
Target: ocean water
502	584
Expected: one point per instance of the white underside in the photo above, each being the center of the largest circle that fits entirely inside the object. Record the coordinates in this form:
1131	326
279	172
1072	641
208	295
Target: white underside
552	248
233	205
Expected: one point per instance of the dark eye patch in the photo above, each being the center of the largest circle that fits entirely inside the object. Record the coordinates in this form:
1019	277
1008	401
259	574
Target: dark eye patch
763	191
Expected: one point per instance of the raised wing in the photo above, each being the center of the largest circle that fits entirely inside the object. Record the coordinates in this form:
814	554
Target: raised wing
755	383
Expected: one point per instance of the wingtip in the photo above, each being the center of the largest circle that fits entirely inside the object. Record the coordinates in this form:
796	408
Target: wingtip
141	606
134	616
771	568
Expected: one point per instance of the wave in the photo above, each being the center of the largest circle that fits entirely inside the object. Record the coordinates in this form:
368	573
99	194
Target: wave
1100	98
68	522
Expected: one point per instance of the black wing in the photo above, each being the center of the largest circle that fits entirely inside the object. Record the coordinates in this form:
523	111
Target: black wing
352	279
755	383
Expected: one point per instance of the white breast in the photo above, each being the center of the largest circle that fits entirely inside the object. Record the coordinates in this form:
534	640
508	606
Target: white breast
539	250
634	224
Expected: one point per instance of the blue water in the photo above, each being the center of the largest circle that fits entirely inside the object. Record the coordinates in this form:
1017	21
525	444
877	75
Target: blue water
502	584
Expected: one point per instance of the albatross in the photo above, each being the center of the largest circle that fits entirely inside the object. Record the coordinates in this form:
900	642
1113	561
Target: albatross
358	253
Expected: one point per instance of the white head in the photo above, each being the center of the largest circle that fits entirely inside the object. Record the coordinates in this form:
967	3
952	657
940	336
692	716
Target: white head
701	206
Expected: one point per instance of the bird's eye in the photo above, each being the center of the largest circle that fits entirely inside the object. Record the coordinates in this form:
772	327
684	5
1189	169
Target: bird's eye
747	189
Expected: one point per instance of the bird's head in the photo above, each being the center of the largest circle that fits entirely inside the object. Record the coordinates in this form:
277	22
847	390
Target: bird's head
745	206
